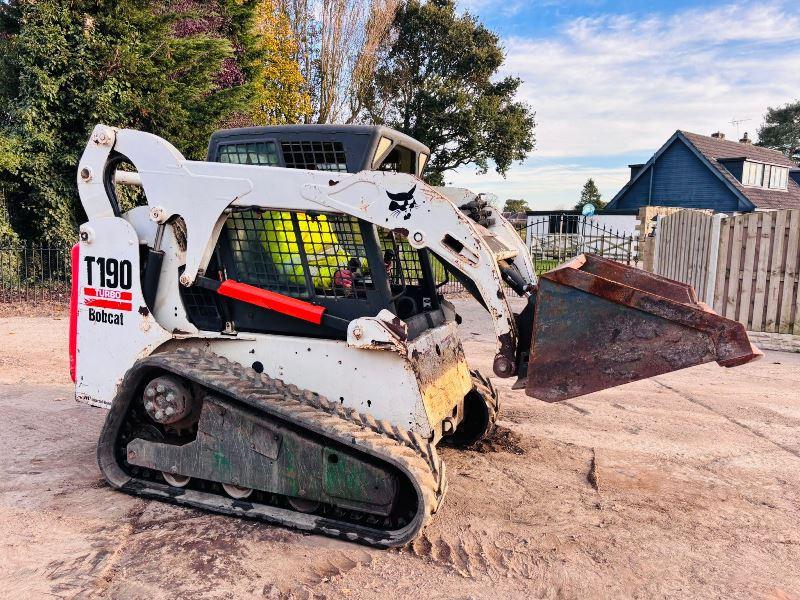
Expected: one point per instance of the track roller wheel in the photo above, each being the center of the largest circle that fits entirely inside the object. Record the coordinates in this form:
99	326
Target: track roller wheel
176	480
237	492
302	505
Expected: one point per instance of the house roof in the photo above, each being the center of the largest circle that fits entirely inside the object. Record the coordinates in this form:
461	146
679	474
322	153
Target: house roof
715	150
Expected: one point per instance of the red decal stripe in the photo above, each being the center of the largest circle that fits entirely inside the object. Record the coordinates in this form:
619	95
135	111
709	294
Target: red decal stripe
112	304
109	294
278	302
73	312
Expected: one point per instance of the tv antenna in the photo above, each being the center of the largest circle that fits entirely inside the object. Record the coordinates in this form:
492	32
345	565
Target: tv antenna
736	122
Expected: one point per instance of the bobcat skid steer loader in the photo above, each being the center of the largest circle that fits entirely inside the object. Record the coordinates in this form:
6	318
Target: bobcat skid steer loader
267	331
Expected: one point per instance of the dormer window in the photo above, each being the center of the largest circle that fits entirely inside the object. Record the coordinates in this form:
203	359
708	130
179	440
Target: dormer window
778	177
752	174
761	175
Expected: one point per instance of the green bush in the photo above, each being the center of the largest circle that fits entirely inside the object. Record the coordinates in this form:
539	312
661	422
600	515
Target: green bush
66	66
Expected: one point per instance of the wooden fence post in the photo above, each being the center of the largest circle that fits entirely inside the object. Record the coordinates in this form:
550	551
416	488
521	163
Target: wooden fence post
791	273
713	259
655	244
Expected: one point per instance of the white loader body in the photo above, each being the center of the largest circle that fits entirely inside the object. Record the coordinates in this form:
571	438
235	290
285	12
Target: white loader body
418	384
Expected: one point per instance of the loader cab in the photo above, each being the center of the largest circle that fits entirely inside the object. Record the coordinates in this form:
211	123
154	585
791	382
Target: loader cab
348	265
335	148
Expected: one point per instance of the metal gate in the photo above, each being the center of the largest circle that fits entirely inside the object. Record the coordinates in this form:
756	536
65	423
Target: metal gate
556	238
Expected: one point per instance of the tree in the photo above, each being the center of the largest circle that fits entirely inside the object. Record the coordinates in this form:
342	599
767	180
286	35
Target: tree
263	67
438	83
516	206
280	92
337	46
590	195
781	129
9	162
65	66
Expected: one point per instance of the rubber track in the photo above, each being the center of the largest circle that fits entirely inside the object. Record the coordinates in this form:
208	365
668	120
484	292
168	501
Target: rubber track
491	400
414	456
491	397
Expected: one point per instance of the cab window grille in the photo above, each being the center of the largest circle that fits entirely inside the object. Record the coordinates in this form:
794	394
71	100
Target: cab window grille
405	265
319	156
300	254
261	245
254	153
201	308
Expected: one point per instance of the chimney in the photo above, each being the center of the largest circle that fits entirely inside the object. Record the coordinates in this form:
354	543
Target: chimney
719	135
745	139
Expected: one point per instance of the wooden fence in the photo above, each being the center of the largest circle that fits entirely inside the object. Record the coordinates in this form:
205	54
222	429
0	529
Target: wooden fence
747	267
646	221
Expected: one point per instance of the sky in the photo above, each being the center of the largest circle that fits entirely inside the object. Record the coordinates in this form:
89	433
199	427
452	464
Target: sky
611	81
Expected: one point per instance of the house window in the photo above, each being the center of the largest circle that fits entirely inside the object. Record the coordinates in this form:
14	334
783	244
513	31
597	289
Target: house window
254	153
778	178
765	176
753	173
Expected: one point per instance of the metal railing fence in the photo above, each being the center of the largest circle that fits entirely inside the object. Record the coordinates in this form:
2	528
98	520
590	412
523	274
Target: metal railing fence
34	273
557	238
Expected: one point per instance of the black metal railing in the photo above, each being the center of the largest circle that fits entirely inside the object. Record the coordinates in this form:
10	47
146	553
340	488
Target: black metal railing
557	238
34	273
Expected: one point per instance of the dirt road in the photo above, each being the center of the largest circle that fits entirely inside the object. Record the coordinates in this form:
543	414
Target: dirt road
686	486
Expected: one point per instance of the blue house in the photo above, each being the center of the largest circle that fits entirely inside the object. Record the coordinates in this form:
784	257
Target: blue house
698	171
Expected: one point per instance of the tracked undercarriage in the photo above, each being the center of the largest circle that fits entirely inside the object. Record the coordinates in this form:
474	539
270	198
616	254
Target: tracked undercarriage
348	475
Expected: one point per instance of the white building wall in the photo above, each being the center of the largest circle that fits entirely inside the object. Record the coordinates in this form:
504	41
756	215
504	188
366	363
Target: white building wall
624	224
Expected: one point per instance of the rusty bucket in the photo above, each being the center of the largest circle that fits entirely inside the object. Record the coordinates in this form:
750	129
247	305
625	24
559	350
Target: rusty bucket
599	324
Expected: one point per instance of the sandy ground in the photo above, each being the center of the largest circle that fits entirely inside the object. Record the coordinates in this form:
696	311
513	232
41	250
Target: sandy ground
685	486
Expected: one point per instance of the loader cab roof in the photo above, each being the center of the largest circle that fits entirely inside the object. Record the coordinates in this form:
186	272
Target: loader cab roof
337	148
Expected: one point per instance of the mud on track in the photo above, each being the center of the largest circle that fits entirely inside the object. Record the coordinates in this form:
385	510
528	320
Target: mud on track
683	486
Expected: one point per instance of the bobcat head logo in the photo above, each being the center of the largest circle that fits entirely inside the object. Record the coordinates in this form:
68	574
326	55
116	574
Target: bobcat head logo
402	203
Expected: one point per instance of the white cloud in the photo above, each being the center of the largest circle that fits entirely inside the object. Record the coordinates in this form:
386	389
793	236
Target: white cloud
614	84
506	8
545	186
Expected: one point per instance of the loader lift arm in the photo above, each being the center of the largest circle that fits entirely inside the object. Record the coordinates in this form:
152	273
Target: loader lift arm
202	192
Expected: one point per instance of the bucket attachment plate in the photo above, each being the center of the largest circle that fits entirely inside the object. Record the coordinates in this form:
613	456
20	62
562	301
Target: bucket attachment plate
599	324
